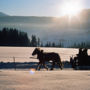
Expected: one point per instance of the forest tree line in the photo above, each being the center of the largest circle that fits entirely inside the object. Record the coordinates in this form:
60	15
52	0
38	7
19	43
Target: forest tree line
81	45
14	37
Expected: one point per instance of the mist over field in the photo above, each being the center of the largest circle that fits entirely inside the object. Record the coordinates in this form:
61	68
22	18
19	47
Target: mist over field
69	31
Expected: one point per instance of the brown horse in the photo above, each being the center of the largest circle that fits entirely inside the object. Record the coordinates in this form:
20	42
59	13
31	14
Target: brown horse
43	57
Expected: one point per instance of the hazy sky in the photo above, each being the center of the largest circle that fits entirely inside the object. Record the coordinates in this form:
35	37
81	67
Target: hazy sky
35	7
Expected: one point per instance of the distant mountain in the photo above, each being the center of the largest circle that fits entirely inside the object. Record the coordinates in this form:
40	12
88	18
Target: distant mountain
3	14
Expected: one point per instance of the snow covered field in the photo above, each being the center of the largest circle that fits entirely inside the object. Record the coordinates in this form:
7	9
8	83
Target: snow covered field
23	79
23	53
44	80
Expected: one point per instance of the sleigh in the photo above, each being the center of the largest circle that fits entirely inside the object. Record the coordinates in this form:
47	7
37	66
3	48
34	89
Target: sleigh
80	62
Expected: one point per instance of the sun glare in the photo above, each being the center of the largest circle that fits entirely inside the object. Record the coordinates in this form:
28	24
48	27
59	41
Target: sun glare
70	8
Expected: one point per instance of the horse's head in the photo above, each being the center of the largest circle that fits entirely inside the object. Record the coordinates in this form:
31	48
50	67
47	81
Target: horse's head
36	51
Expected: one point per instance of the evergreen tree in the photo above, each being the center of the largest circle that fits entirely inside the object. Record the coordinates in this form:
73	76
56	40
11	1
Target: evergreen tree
33	41
38	42
42	44
53	44
13	37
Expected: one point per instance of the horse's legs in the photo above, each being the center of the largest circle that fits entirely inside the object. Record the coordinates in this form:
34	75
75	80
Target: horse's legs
60	65
45	66
38	66
53	64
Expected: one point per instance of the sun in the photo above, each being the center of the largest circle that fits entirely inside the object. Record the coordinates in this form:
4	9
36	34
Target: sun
70	8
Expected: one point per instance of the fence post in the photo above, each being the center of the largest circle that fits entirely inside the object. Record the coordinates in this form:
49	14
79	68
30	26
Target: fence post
14	63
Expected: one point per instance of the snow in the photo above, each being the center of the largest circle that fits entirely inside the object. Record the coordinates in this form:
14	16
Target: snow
44	80
29	79
23	54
